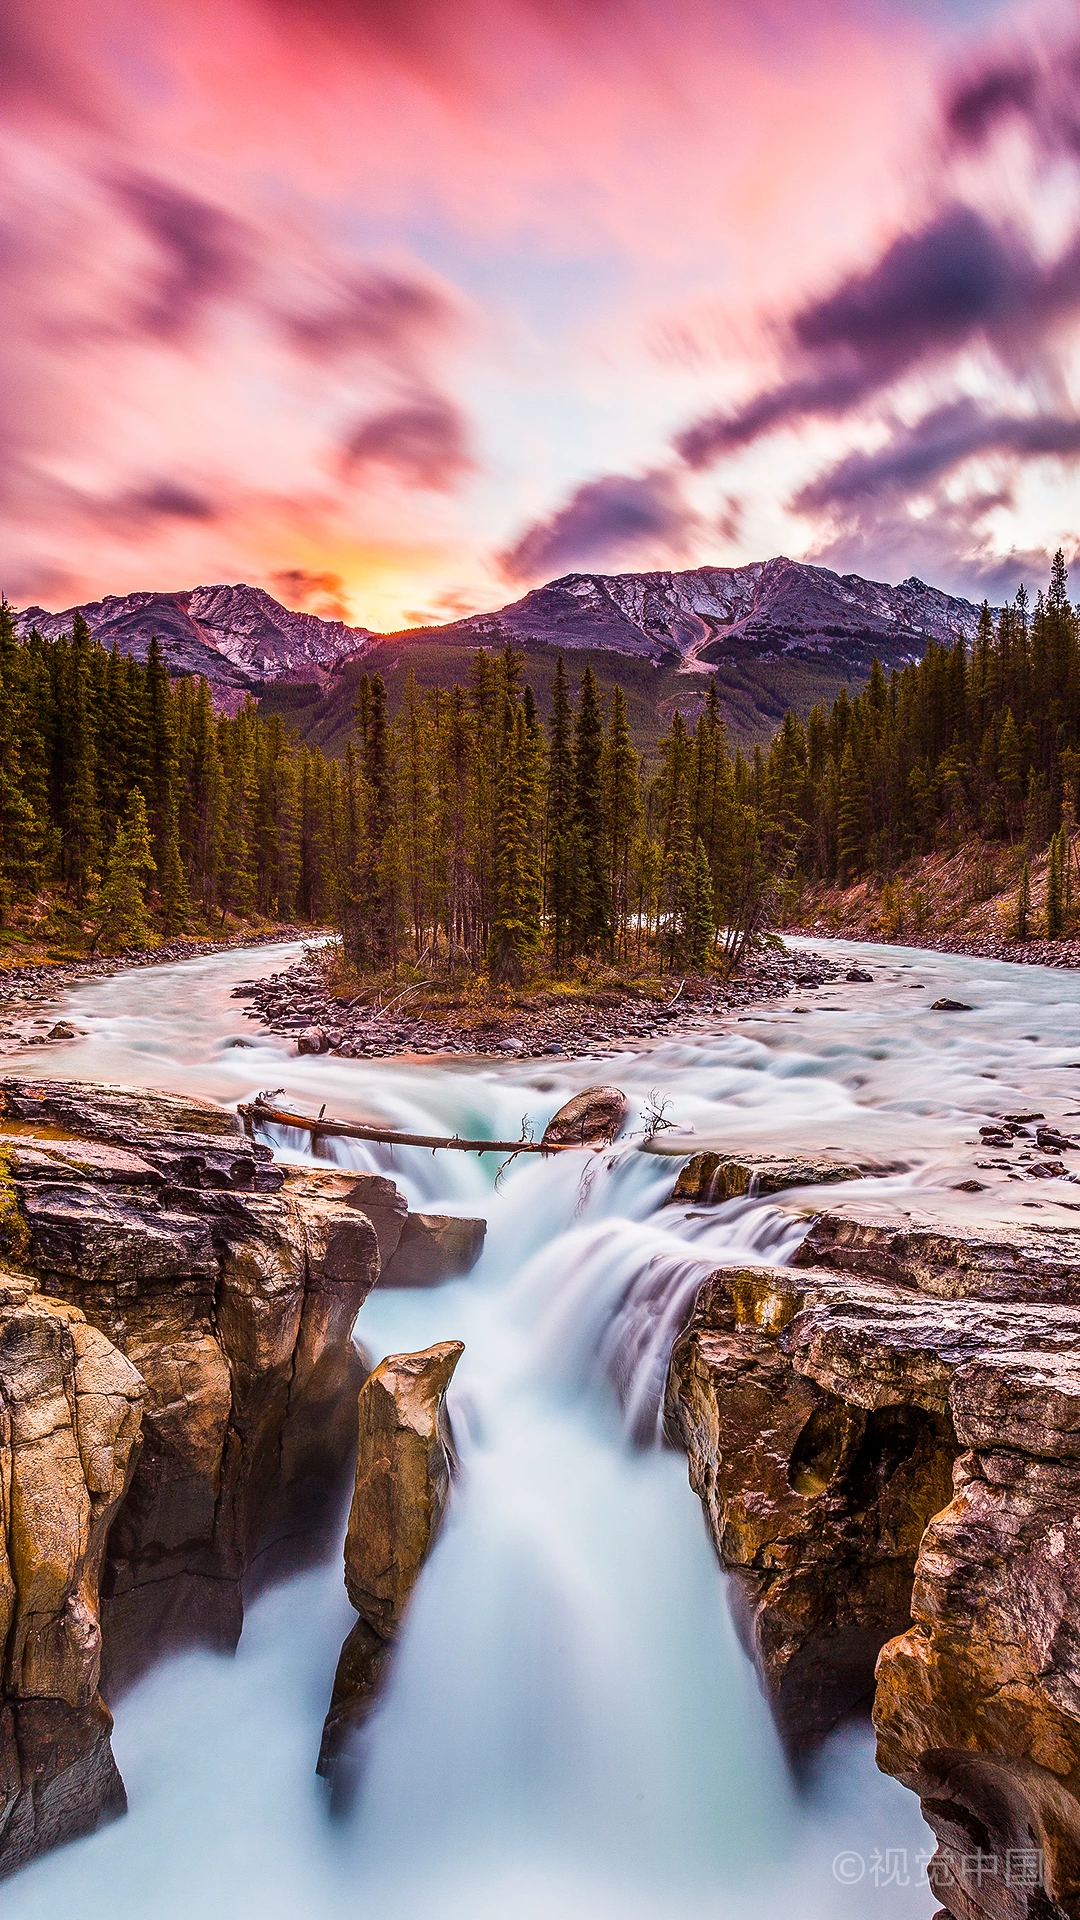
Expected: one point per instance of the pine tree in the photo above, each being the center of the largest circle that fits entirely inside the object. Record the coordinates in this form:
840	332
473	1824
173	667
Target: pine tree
174	896
21	829
851	817
81	818
621	784
591	906
516	931
559	817
119	909
1055	884
1023	904
700	927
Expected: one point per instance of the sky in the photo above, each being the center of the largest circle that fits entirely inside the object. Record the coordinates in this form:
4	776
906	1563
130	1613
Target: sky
397	308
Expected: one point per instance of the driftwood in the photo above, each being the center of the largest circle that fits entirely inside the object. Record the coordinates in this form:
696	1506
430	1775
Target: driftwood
258	1110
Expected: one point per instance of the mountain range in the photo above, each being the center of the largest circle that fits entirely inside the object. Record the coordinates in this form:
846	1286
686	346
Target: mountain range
239	637
773	633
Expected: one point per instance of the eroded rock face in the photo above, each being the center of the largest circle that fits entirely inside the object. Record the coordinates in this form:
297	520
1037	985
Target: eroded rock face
434	1247
816	1497
712	1177
70	1412
978	1702
403	1469
992	1262
861	1448
179	1290
233	1292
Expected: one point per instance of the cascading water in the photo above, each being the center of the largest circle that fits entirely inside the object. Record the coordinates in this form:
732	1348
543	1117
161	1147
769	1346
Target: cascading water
570	1728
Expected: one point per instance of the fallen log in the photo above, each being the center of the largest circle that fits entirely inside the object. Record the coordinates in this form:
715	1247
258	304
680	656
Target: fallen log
257	1111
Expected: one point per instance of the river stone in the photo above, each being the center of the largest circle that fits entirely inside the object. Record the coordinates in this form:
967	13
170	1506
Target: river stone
712	1177
950	1006
312	1040
403	1467
434	1247
591	1119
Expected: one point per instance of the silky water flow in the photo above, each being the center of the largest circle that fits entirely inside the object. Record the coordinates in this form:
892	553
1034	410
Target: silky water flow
571	1730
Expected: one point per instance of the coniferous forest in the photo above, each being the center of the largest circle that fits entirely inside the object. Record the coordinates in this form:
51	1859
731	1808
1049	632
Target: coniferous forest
465	835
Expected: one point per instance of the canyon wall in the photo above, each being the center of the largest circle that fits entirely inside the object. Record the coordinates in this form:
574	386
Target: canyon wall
177	1408
887	1450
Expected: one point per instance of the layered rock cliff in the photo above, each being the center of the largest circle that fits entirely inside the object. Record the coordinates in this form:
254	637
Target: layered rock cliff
232	1290
178	1391
888	1457
70	1412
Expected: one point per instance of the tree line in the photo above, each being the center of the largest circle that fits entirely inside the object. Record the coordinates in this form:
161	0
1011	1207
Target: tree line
467	834
464	834
975	741
128	807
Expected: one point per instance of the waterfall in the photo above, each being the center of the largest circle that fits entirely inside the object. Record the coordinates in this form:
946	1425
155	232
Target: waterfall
570	1730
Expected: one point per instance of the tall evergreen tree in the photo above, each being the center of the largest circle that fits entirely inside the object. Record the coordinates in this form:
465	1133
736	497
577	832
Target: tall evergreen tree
590	915
119	909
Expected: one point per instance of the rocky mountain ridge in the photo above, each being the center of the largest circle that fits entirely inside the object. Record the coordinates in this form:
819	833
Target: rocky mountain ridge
773	606
242	639
239	637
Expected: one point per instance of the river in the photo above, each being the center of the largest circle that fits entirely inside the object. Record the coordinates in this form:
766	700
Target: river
571	1731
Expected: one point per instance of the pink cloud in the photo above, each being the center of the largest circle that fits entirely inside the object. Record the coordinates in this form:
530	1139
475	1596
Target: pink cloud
253	320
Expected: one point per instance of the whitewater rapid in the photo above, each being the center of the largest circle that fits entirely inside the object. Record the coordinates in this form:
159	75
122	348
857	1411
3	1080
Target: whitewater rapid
571	1731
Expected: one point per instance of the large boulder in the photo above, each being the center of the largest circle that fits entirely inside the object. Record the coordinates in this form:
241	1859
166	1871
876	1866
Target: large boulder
591	1119
70	1410
372	1194
433	1247
403	1468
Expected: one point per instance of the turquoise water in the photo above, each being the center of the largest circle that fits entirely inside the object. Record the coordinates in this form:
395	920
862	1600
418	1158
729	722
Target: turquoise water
571	1731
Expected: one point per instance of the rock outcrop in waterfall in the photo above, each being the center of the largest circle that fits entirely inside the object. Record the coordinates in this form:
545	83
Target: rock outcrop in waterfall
404	1463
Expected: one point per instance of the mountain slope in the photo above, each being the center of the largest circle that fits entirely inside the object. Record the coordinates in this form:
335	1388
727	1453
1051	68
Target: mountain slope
239	637
774	634
772	607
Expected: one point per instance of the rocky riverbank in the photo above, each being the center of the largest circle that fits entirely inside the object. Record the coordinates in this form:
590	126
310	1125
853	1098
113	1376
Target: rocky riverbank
26	990
1029	953
300	1004
964	901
